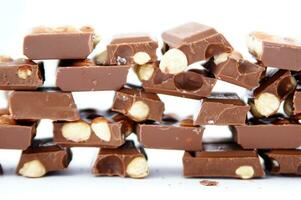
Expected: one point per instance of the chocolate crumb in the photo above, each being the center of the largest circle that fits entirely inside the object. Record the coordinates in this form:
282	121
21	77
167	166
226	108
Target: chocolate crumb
208	183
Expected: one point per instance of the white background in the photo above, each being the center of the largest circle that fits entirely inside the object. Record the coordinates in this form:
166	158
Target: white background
233	18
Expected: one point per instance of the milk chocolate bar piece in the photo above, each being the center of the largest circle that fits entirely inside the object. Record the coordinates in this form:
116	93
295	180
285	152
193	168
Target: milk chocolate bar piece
283	162
222	109
274	51
232	68
132	49
292	104
222	160
138	104
21	74
60	43
95	129
43	157
171	134
198	42
53	105
85	75
126	161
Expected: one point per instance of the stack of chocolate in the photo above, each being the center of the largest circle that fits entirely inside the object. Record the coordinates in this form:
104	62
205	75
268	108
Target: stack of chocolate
194	57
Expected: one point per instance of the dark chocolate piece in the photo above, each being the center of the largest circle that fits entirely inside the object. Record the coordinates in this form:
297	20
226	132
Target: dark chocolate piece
222	109
222	160
198	42
85	75
126	161
43	105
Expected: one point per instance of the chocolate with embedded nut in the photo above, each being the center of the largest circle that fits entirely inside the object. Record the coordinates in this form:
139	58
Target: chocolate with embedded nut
292	104
235	162
42	157
125	161
85	75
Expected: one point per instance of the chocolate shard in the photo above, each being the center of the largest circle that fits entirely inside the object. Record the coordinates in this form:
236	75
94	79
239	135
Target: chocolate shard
125	161
21	74
138	105
197	41
43	157
237	163
132	49
222	109
85	75
170	134
275	51
60	43
95	129
36	105
232	68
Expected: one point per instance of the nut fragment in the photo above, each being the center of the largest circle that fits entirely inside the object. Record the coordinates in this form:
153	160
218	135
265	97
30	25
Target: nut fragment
266	104
24	72
141	58
245	172
76	131
145	72
87	29
139	111
41	29
254	45
223	57
174	61
66	29
4	59
101	128
33	169
101	58
96	40
7	119
137	168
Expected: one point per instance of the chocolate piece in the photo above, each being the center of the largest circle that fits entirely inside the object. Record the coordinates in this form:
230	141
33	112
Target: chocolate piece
232	68
85	75
292	104
274	51
222	109
95	129
198	42
222	160
43	105
43	157
21	74
132	49
171	135
285	162
126	161
138	105
60	43
1	170
208	183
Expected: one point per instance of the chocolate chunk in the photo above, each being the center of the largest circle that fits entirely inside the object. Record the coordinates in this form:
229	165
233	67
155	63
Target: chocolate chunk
126	161
21	74
235	162
95	129
274	51
208	183
138	105
232	68
292	104
43	157
60	43
222	109
170	135
132	49
198	42
43	105
85	75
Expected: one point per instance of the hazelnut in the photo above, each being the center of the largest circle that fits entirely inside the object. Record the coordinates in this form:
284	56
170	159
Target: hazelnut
139	111
137	168
24	72
78	131
245	172
141	58
266	104
101	128
255	45
174	61
223	57
33	169
145	72
101	58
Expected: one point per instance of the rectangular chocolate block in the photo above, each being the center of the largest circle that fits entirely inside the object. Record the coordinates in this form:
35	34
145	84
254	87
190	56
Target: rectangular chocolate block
132	49
222	109
232	68
171	134
59	43
138	105
126	161
197	41
21	74
275	51
16	134
222	160
43	157
283	162
85	75
95	129
53	105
